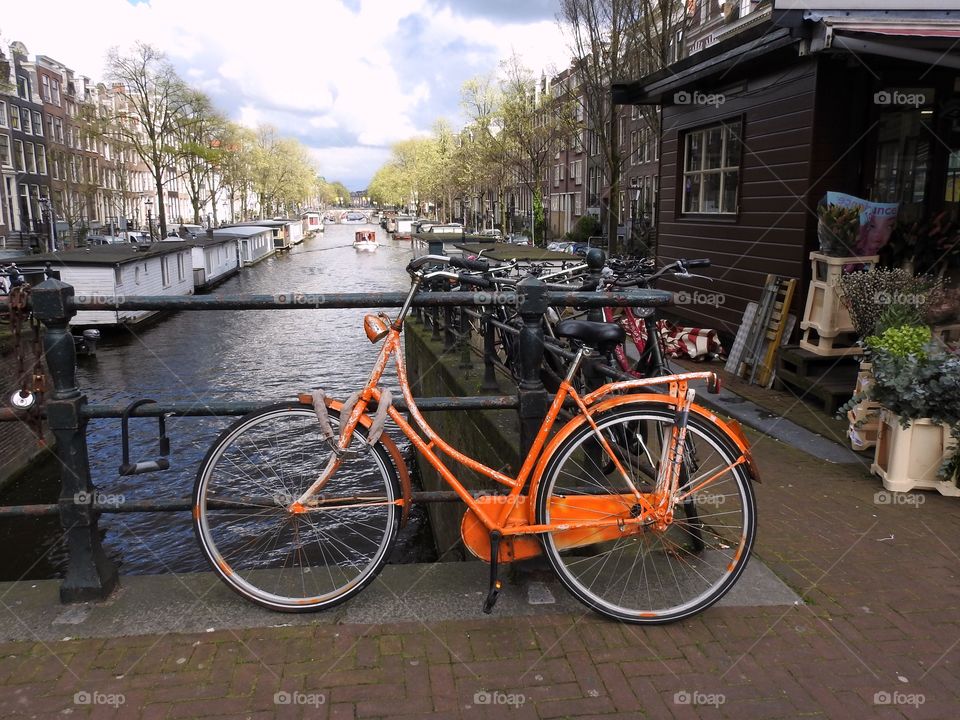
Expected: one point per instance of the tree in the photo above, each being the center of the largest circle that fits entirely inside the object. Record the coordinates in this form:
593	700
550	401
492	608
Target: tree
153	109
200	147
615	40
533	125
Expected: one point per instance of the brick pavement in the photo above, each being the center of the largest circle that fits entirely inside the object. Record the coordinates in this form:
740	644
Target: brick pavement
878	637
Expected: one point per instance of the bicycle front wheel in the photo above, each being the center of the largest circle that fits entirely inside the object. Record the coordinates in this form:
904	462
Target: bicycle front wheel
643	574
277	558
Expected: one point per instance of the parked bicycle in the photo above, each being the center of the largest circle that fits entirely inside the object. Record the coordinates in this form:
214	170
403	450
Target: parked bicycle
297	506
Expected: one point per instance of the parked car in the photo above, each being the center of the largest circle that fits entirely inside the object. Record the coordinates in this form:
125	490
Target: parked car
492	233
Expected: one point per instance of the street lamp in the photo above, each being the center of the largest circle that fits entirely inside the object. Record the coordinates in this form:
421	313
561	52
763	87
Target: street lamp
149	203
48	208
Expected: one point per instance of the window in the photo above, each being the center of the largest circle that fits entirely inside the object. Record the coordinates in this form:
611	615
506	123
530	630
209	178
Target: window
18	161
117	275
180	267
25	121
3	114
41	159
58	129
45	88
55	94
578	204
23	87
165	270
5	159
634	146
14	117
711	169
136	275
30	157
37	124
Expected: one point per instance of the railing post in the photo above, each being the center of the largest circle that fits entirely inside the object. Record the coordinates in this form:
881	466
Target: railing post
489	351
91	575
596	259
533	396
449	334
466	355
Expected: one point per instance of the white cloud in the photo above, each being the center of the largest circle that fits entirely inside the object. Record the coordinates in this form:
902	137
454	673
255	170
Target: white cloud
315	69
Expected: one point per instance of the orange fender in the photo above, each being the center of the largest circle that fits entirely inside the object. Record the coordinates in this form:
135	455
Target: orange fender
392	450
731	429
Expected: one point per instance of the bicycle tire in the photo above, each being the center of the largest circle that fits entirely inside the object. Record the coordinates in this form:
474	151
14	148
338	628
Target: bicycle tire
726	548
251	539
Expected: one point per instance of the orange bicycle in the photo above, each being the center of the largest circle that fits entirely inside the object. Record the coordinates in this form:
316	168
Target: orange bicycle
297	506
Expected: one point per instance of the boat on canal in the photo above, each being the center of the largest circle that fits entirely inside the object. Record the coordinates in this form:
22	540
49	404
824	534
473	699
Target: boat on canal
365	240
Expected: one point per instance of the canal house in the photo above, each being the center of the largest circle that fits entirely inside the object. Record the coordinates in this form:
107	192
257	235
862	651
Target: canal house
101	272
214	259
760	124
254	243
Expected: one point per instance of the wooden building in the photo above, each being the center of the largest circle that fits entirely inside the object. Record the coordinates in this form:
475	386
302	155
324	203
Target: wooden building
757	127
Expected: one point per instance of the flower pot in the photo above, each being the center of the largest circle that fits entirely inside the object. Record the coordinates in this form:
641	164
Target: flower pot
909	458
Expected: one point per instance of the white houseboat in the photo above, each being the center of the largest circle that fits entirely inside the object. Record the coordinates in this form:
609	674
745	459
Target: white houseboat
254	243
286	233
106	271
215	258
312	222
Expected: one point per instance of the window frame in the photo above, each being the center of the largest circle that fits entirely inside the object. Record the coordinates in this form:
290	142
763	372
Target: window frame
726	126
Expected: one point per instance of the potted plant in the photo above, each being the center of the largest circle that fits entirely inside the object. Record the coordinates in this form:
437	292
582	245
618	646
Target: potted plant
916	381
837	229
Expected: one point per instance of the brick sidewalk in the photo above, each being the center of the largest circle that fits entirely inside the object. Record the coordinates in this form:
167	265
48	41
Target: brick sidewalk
878	637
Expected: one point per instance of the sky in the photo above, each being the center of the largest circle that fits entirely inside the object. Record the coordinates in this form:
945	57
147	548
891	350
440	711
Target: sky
347	78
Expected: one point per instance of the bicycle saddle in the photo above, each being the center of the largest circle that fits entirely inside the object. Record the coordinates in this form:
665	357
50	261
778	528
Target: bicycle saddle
599	335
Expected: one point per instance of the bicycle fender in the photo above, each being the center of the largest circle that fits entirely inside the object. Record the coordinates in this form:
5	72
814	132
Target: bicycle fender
392	450
730	428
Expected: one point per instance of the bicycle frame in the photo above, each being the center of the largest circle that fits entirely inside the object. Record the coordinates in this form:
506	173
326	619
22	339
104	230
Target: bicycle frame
655	508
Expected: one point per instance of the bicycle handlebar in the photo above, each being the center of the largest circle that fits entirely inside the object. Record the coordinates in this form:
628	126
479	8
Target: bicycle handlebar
465	264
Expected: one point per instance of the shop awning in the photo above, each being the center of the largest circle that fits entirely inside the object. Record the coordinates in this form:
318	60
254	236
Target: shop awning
929	40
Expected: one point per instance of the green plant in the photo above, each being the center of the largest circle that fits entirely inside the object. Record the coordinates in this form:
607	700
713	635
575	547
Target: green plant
882	297
901	341
837	228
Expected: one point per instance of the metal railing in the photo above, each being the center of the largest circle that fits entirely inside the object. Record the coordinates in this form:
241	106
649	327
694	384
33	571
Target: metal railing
90	574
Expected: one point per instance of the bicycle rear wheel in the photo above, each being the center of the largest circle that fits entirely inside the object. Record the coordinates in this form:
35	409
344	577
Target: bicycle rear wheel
642	574
294	562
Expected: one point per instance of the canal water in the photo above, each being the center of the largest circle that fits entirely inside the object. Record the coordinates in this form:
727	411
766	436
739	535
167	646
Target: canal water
209	356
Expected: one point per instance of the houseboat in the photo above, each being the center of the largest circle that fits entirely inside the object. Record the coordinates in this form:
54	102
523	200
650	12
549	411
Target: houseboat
312	223
107	271
365	240
286	233
215	258
254	243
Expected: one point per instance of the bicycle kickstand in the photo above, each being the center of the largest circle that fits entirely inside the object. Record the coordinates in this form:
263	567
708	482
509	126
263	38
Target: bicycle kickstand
494	591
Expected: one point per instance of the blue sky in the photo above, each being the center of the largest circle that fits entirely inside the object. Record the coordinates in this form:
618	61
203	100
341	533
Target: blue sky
346	77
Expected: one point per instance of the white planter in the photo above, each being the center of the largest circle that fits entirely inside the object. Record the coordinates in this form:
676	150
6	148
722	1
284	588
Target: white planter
909	458
865	416
826	322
